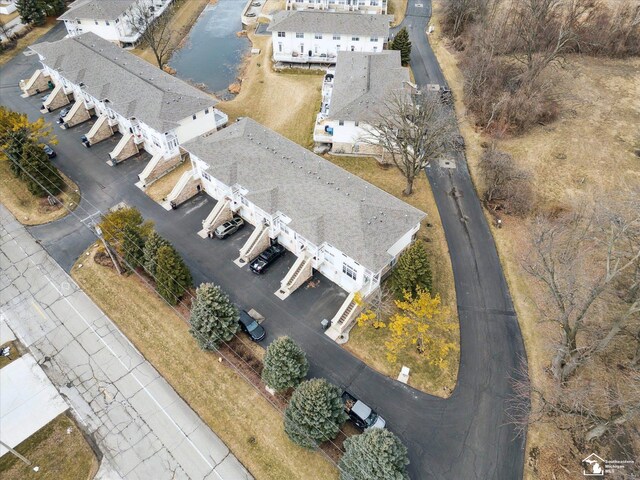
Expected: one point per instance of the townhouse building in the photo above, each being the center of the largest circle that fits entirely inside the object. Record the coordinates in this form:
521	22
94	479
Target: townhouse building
306	36
353	97
152	110
360	6
334	222
109	19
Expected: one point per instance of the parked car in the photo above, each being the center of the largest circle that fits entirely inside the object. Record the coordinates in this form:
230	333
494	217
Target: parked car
360	413
85	141
44	97
63	113
229	228
249	325
267	258
51	153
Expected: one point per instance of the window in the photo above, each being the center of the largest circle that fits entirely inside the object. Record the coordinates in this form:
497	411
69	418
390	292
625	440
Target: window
299	35
341	122
79	22
96	22
355	39
349	271
318	36
357	123
106	22
117	20
206	111
373	3
244	202
206	176
374	39
281	34
280	47
336	37
193	116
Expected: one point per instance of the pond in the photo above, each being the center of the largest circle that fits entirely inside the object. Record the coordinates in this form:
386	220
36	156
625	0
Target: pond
212	52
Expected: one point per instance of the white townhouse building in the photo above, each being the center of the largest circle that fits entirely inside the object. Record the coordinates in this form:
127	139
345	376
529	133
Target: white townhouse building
361	6
334	222
152	110
307	36
109	19
352	97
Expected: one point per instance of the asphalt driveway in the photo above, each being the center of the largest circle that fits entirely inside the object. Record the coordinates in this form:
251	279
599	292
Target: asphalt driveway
463	437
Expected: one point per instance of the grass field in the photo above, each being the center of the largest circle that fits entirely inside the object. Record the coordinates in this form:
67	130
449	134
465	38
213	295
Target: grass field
249	425
58	449
163	186
263	93
31	210
588	155
366	342
27	40
397	8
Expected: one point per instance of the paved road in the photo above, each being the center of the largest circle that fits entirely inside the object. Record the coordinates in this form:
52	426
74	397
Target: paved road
138	421
463	437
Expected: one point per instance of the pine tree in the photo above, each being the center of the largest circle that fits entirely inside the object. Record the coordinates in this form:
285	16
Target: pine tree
377	454
41	177
214	318
151	246
32	11
412	271
173	277
314	414
285	364
401	42
133	246
55	7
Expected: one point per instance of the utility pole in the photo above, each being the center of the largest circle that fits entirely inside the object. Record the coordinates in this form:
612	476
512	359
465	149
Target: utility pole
108	249
24	459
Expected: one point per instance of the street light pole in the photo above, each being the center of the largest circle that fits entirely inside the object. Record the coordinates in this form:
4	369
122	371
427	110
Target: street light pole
108	249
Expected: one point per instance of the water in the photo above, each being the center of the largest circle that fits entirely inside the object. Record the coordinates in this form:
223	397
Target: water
212	52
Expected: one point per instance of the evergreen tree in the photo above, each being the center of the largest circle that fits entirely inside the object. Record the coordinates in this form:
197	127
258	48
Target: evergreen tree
151	246
55	7
214	318
377	454
15	147
133	246
173	277
32	11
314	414
41	177
412	271
285	364
401	42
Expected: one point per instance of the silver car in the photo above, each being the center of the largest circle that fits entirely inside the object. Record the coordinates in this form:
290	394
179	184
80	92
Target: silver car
229	228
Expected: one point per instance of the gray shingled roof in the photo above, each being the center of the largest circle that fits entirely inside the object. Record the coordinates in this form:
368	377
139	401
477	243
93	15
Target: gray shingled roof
96	9
325	202
362	83
134	88
308	21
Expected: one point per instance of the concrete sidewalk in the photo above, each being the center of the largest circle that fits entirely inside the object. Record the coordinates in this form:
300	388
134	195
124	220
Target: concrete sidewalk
143	428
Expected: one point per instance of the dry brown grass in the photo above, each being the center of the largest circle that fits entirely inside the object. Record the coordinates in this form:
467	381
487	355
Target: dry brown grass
31	210
27	40
60	455
241	416
284	102
586	155
7	18
162	187
397	8
183	19
367	343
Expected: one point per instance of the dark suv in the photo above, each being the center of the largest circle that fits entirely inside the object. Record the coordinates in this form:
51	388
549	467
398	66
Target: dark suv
266	258
229	228
249	325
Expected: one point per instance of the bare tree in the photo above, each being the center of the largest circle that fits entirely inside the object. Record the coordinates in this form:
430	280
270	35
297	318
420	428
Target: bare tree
506	185
587	268
414	129
458	14
155	31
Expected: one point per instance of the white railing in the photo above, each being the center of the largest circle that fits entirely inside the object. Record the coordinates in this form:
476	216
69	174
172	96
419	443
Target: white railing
96	126
120	146
177	189
153	163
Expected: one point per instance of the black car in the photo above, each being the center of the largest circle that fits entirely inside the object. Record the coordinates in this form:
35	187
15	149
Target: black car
63	113
249	325
51	153
266	258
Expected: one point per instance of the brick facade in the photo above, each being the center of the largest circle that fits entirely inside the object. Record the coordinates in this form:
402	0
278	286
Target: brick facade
103	132
80	115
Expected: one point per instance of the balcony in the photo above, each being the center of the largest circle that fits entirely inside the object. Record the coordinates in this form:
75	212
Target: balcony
295	57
